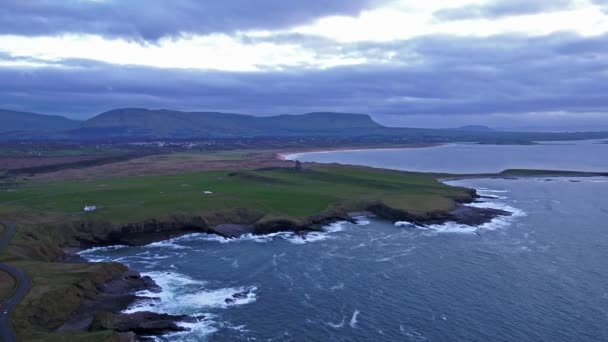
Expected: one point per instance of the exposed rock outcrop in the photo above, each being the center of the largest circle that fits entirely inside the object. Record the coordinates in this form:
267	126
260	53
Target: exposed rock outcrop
141	323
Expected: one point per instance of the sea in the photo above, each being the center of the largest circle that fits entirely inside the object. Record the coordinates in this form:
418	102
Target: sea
540	274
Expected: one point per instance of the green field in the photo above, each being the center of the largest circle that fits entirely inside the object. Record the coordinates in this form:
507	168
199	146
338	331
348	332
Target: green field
274	192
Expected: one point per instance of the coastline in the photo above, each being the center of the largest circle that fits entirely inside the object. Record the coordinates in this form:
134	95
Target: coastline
285	155
131	281
154	230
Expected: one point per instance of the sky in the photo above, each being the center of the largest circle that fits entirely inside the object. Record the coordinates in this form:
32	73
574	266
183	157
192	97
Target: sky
509	64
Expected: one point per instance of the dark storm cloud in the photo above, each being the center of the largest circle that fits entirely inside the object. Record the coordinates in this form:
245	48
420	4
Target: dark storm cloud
502	8
435	75
151	20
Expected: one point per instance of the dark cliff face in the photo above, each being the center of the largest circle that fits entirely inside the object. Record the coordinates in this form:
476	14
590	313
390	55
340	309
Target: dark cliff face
237	222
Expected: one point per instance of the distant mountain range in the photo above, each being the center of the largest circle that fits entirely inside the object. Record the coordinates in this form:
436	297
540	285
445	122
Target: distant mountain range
12	121
139	123
475	128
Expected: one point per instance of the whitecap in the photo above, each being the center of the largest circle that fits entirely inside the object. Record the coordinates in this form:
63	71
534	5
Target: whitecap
296	238
404	224
353	319
307	238
167	244
219	298
362	220
335	227
337	325
337	287
203	327
88	254
497	222
182	294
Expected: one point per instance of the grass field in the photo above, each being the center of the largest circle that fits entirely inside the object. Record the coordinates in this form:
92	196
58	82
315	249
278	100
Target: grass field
275	192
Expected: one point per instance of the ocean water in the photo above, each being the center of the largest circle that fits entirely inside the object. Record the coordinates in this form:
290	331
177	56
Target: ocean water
539	275
588	155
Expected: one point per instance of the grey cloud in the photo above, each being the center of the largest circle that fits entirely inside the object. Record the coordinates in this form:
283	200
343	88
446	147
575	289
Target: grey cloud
151	20
502	8
448	77
603	4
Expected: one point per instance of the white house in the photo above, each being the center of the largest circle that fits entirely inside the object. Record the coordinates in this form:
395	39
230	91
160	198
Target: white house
90	208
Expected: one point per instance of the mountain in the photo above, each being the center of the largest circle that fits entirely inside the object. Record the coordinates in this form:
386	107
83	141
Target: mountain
138	122
23	122
475	128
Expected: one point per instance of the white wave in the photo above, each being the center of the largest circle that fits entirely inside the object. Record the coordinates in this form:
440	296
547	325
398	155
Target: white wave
337	287
203	327
362	220
219	298
88	254
296	238
335	227
515	212
353	320
337	325
454	227
492	190
167	244
182	295
300	239
411	333
171	284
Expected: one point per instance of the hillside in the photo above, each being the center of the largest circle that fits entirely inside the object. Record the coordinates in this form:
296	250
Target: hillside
13	121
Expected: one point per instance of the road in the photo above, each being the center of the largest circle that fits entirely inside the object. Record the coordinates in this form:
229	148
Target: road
23	284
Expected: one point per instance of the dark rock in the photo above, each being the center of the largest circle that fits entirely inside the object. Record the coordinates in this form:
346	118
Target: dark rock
474	216
113	296
233	230
142	323
463	214
239	295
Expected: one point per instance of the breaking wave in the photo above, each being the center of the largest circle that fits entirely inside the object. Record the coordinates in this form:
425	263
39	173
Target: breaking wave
498	222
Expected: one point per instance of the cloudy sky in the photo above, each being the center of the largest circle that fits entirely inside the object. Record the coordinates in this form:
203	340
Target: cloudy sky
515	64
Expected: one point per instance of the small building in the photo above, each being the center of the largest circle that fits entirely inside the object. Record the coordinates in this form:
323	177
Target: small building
89	208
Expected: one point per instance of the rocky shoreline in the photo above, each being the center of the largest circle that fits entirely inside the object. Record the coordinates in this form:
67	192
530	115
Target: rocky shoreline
105	311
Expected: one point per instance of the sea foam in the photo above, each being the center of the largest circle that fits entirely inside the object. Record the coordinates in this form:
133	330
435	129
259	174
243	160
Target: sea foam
454	227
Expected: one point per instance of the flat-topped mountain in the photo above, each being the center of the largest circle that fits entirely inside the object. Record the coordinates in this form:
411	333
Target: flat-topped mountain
176	124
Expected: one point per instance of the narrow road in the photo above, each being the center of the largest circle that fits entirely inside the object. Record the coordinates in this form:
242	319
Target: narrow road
23	284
